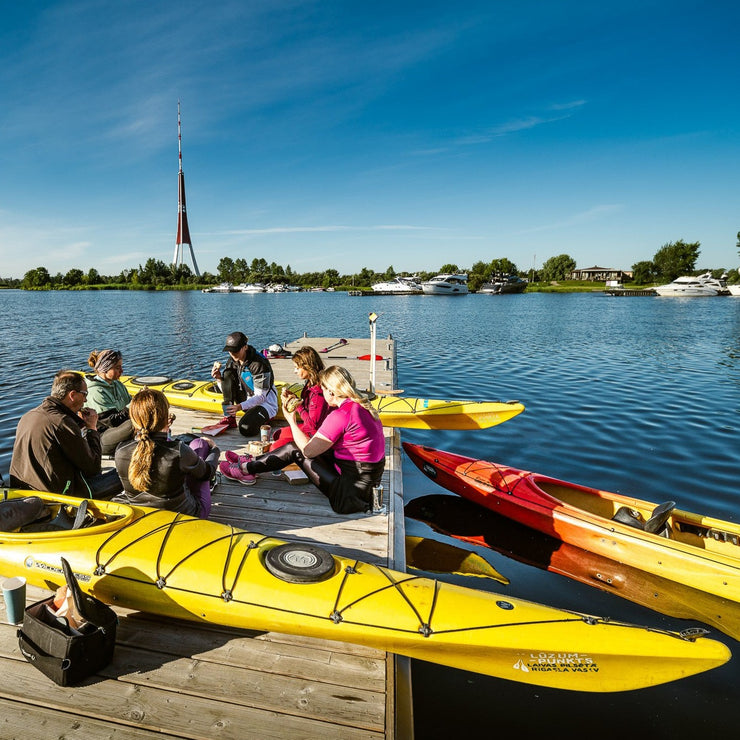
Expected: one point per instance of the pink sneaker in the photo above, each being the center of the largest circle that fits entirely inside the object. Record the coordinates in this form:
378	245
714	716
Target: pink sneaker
232	457
234	472
230	422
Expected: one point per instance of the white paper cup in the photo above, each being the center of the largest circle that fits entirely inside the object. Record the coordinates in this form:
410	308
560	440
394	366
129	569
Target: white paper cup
14	594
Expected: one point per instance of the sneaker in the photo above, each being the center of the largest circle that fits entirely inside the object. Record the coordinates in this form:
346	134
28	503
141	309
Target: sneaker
230	422
232	457
234	472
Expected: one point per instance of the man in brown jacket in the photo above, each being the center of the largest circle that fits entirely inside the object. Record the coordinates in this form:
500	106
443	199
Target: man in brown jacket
57	446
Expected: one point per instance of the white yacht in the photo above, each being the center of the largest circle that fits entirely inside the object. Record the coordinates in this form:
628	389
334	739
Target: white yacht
690	286
446	284
400	285
734	289
221	288
251	288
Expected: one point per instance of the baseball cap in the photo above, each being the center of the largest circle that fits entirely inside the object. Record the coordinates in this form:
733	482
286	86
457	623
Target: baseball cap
235	341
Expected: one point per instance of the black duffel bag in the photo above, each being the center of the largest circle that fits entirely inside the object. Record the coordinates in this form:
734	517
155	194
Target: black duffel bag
66	655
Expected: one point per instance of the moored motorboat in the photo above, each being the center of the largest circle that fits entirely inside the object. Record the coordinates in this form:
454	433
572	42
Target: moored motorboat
689	286
446	284
694	551
182	567
504	284
399	285
394	411
251	288
221	288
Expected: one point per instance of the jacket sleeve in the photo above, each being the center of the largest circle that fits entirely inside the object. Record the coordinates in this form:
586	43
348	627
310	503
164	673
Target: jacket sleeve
263	385
314	412
82	449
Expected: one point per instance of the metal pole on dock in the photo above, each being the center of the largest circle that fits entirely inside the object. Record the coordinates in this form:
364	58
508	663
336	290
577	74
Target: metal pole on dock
373	319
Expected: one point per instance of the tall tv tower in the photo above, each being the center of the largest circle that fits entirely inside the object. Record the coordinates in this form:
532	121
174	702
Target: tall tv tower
183	232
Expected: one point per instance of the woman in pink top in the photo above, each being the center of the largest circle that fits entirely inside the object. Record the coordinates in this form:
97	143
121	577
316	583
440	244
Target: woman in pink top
312	409
344	459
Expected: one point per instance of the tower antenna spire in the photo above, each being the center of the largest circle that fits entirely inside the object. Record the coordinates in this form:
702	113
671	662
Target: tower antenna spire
183	231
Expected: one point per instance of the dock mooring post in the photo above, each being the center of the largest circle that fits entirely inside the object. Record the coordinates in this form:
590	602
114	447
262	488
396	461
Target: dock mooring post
373	318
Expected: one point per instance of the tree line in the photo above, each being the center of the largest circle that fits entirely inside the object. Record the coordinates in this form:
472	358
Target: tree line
670	261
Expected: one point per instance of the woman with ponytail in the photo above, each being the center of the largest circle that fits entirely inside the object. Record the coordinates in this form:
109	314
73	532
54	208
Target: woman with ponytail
344	459
163	473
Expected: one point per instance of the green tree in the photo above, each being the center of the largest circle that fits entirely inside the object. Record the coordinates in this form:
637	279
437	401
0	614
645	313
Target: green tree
675	259
503	266
331	278
226	270
92	277
73	277
558	268
241	270
37	278
450	269
643	272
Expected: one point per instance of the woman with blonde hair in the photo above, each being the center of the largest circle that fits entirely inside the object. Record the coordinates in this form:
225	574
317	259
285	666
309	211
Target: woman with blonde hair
344	459
160	472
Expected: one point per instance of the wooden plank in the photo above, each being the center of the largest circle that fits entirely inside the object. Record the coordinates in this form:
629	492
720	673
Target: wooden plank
170	712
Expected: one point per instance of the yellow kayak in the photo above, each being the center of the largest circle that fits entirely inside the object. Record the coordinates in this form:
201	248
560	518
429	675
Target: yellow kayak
179	566
394	411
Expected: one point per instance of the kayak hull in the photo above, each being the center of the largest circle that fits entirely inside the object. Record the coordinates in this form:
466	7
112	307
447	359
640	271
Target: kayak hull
394	411
179	566
701	556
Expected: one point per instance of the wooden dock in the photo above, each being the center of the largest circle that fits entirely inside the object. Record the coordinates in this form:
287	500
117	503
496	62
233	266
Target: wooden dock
180	679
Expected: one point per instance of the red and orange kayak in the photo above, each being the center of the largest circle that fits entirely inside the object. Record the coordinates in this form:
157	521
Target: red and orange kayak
696	557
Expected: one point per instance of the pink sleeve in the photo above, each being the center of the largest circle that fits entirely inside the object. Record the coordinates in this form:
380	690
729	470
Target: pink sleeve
334	425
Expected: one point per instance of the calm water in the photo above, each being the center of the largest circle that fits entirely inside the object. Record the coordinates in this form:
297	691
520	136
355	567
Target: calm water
638	395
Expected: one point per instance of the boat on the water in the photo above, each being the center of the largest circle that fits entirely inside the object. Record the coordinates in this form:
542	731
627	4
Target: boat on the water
182	567
400	285
689	286
698	553
221	288
394	411
446	284
734	289
251	288
503	285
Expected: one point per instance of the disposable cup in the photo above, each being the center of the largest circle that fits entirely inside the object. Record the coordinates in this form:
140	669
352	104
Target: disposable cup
14	594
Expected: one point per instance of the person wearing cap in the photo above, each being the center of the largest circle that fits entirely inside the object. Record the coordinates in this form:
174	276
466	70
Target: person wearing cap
247	384
110	398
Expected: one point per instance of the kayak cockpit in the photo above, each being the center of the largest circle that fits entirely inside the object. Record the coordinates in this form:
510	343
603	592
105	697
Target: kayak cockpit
24	512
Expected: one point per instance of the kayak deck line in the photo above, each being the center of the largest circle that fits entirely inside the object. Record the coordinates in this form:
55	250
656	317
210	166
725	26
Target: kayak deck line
177	678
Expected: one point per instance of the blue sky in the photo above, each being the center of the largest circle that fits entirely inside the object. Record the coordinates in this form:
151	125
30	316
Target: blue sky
352	134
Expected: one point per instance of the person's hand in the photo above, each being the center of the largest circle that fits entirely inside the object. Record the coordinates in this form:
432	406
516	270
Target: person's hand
230	409
216	370
90	417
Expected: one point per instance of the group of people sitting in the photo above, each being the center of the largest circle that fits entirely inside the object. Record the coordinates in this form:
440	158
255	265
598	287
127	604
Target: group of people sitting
334	435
